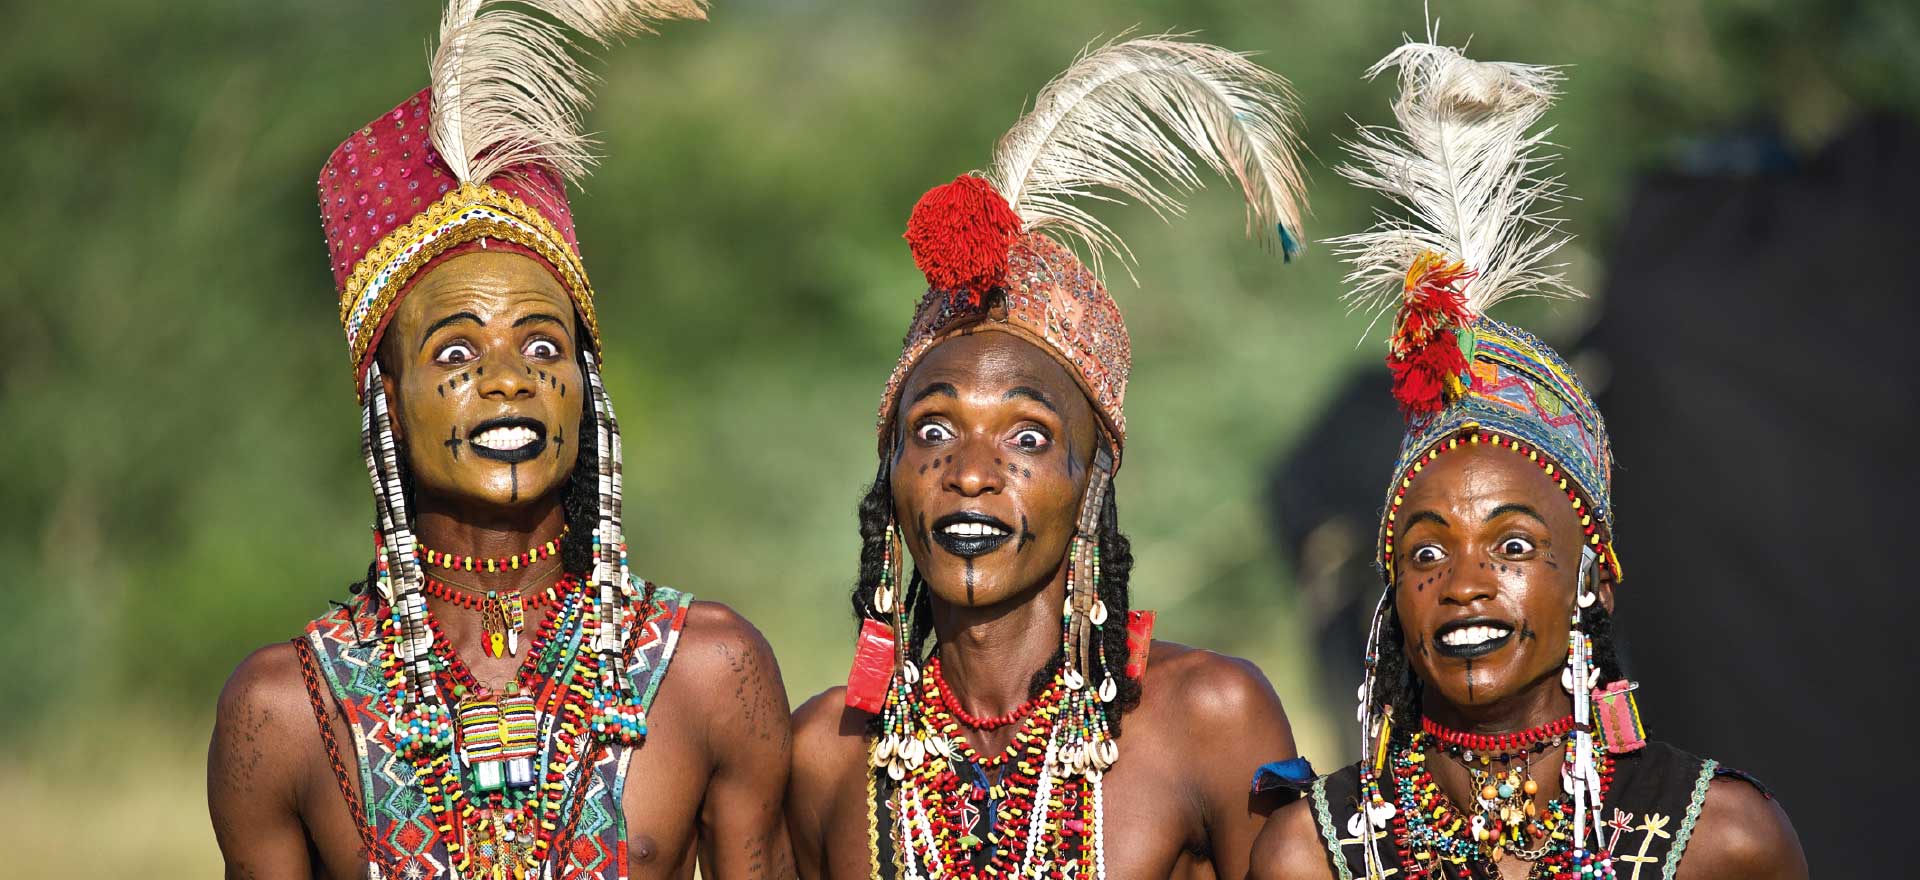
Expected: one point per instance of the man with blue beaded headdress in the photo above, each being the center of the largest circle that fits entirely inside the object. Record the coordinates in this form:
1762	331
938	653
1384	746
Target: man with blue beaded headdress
483	707
1500	737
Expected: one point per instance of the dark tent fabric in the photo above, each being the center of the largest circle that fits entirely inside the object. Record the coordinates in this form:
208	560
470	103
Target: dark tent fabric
1763	401
1752	359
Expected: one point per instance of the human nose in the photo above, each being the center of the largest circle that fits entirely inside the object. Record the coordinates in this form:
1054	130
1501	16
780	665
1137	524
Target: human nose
505	379
1468	582
973	471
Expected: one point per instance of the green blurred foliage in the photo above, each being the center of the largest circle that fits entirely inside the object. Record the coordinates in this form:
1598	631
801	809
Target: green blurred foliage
184	482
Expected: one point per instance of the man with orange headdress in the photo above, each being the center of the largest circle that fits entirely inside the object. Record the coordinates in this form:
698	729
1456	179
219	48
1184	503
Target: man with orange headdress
496	701
998	749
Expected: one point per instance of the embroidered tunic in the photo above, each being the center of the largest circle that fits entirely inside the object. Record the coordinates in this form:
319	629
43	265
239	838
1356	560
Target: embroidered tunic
393	803
1648	815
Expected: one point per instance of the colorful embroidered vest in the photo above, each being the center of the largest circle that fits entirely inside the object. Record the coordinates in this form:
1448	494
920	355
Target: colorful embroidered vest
394	805
1649	814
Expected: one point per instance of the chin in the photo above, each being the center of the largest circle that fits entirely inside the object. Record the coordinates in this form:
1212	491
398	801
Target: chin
988	587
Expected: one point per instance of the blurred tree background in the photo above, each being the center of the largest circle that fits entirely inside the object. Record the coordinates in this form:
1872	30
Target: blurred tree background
185	483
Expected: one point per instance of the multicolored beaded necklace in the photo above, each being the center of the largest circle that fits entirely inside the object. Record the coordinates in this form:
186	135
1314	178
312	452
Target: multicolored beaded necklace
1430	832
1014	814
502	614
455	562
502	773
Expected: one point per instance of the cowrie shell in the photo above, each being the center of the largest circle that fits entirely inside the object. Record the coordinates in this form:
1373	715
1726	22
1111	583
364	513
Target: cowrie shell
883	601
1587	598
910	672
1099	615
1108	690
1075	680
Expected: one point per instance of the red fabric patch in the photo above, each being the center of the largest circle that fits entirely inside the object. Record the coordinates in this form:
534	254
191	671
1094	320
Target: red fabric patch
872	667
1139	642
960	233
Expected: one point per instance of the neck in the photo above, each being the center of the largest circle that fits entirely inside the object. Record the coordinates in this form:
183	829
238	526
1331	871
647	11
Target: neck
1539	704
490	533
989	655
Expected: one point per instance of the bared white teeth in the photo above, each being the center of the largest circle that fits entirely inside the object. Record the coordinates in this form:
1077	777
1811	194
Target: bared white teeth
505	439
1467	637
973	530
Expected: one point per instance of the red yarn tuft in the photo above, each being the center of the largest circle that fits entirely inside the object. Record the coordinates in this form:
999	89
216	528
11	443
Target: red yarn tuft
960	234
1431	301
1423	378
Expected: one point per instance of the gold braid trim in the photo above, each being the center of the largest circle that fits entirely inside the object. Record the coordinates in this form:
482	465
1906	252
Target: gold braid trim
410	245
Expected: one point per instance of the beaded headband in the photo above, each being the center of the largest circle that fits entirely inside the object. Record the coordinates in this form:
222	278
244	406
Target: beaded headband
1130	118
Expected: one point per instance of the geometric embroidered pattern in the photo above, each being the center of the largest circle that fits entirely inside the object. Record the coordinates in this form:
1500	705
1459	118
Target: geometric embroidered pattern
395	806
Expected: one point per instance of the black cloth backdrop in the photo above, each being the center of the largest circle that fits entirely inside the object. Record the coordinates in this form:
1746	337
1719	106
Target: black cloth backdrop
1754	359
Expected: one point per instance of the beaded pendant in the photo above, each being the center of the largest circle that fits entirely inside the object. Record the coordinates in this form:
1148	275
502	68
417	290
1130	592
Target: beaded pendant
500	622
498	738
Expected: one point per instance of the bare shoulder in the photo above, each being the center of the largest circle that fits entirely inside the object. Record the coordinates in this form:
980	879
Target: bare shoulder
1289	847
1742	832
265	694
829	740
263	734
1212	689
727	669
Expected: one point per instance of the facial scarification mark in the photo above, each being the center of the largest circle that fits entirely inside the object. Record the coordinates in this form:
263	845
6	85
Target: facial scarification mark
559	440
1420	646
479	371
442	389
453	442
969	580
1026	473
923	467
1026	535
1526	631
466	378
1469	679
513	472
1012	468
1503	569
1551	562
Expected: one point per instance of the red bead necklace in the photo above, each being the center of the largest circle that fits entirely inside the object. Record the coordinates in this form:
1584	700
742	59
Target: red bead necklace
953	707
476	600
1499	742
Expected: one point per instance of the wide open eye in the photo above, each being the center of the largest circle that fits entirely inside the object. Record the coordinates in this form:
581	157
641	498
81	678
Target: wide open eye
1031	439
454	353
933	432
542	349
1427	554
1516	546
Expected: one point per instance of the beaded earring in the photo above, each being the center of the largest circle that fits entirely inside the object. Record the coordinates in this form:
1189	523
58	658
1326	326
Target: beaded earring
616	702
877	650
1087	745
1582	780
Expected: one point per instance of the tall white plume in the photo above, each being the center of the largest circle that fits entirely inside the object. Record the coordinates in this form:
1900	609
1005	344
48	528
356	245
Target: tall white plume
1467	174
507	87
1130	116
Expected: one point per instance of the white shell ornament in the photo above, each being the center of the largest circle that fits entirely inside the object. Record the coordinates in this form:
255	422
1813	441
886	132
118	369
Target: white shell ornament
1099	615
1108	690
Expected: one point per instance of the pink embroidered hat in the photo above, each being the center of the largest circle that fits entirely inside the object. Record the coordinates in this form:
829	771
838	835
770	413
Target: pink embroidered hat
480	158
1131	118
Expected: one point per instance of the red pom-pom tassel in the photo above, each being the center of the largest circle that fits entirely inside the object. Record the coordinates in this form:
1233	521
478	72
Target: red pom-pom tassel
960	234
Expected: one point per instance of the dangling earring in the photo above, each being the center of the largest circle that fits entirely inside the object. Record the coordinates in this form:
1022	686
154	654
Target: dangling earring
877	650
1088	747
1582	780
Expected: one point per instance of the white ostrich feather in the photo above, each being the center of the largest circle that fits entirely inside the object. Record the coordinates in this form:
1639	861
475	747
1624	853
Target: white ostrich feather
507	87
1125	121
1466	172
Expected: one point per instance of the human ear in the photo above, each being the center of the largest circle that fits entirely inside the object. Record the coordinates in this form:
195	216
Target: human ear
392	387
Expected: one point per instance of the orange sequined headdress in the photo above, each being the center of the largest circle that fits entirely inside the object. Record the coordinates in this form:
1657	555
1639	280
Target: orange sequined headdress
1130	118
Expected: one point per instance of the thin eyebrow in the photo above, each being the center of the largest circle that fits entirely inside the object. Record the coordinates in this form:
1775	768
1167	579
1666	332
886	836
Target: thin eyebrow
539	316
1033	394
932	389
1521	509
456	316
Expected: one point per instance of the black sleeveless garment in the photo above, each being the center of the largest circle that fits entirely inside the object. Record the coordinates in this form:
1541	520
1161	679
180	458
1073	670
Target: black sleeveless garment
1648	816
